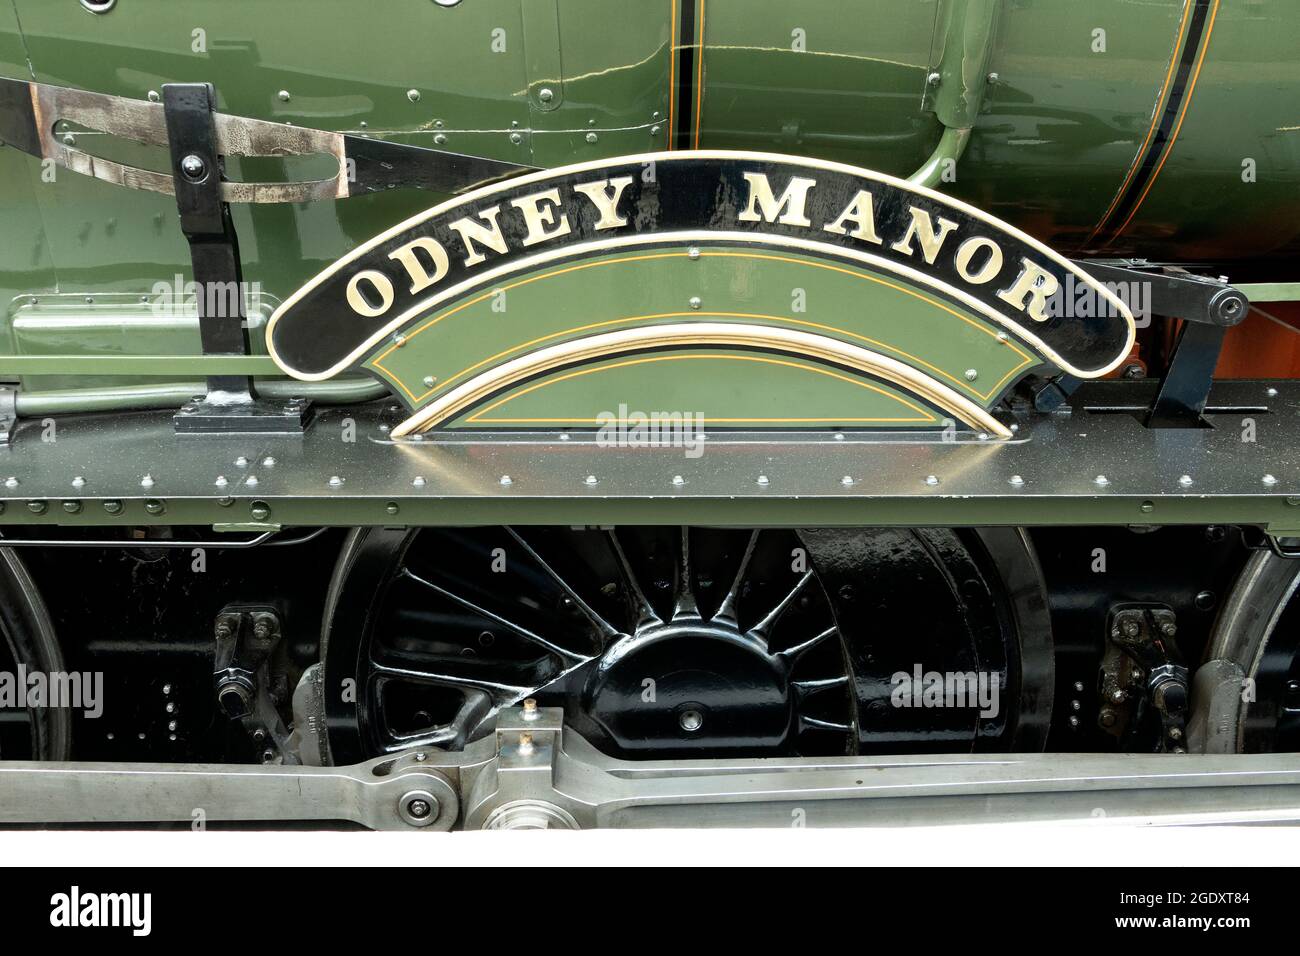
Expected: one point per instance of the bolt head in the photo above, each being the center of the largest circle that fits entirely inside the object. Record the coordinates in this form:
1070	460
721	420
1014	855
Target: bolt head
194	167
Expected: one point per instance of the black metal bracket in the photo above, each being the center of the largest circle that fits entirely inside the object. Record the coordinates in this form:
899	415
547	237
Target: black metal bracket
1209	308
197	170
1186	385
1175	292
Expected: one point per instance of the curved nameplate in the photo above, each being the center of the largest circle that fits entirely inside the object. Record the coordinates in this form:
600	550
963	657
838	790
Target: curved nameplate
806	207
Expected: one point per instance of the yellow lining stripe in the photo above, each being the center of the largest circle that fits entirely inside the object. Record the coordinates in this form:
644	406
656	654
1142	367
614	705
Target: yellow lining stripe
1161	99
1182	115
699	75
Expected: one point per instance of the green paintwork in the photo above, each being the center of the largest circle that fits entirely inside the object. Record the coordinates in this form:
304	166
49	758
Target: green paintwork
1049	149
1270	291
771	287
1051	143
716	386
963	36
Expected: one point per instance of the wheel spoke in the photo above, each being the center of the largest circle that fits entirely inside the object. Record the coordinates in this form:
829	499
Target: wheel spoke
606	629
517	629
762	629
684	606
501	694
726	612
807	688
813	723
793	654
645	615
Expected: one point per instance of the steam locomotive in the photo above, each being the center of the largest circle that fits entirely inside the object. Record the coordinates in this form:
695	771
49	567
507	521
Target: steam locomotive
570	413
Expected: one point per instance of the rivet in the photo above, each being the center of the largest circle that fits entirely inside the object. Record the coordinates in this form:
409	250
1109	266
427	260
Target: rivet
1003	337
972	374
654	130
154	96
934	78
36	507
113	507
252	481
78	482
846	480
590	479
11	482
931	479
335	481
505	480
592	137
693	252
284	96
762	479
154	507
225	501
268	461
428	381
678	480
221	481
413	95
839	436
1292	500
1016	480
418	481
1269	480
241	462
392	508
695	302
1101	480
1185	480
399	340
1272	393
546	94
146	481
1148	506
260	510
516	138
440	139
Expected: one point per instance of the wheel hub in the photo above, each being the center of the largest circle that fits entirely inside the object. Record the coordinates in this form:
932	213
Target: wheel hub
695	686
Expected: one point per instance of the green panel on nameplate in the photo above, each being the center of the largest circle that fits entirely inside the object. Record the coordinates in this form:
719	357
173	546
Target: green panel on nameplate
564	302
709	387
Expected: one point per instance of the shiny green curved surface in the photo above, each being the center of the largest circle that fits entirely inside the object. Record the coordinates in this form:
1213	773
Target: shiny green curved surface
1050	148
